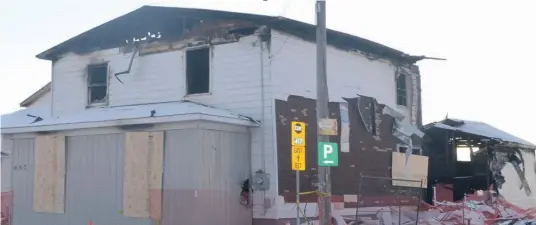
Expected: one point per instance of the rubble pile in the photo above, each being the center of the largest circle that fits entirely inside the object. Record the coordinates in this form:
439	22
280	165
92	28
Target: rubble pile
476	212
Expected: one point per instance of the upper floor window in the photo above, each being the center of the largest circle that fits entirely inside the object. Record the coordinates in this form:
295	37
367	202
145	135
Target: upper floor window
97	83
198	71
401	90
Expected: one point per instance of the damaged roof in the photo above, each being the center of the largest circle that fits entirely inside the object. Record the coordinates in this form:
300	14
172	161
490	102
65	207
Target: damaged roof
166	20
480	129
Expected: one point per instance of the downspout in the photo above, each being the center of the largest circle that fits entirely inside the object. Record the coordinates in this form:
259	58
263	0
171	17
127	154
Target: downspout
263	126
52	90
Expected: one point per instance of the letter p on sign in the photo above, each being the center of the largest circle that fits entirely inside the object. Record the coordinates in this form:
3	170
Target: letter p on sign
328	154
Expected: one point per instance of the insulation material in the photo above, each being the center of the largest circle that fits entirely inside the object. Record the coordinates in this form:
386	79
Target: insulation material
345	127
412	168
142	184
49	176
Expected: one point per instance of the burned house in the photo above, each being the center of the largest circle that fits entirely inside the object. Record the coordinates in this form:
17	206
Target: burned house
470	159
160	116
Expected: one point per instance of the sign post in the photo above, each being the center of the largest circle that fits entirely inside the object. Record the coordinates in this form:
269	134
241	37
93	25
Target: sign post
298	158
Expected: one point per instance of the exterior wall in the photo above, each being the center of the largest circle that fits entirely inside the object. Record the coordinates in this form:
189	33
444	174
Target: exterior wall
350	74
236	85
6	205
44	100
355	81
202	176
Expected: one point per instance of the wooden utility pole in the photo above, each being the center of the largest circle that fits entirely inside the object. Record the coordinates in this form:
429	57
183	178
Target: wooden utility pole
324	175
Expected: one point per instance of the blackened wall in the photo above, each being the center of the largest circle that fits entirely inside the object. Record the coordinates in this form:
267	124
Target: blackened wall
369	151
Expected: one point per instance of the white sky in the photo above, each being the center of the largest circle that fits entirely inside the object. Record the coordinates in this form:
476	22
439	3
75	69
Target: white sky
488	44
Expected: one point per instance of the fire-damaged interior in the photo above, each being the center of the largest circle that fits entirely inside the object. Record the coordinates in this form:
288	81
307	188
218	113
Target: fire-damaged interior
467	159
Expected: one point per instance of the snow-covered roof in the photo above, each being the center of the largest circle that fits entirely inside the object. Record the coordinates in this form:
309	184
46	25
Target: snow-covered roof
26	120
481	129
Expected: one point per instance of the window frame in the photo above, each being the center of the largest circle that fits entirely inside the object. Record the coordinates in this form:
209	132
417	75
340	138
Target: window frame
398	90
398	146
90	85
185	60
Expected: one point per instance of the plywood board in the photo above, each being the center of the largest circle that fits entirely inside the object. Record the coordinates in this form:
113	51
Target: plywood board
156	154
49	174
142	184
414	170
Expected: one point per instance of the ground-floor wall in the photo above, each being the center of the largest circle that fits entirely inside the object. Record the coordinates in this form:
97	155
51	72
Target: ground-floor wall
6	203
366	142
203	168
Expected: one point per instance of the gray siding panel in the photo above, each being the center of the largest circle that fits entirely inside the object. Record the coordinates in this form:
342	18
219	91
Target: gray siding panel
203	172
95	180
93	184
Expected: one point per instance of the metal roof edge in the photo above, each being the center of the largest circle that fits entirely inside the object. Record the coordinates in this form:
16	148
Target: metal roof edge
132	121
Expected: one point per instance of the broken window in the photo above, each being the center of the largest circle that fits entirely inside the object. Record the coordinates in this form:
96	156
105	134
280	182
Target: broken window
403	149
401	90
463	154
198	71
97	83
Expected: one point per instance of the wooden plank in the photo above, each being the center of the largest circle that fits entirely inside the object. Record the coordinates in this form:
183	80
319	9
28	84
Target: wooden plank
135	182
142	184
415	169
49	174
156	154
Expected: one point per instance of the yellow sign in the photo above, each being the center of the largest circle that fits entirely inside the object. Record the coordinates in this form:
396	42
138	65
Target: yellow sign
297	133
298	158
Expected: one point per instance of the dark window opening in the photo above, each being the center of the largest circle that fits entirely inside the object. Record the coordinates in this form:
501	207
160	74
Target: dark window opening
401	90
97	83
373	118
198	71
414	151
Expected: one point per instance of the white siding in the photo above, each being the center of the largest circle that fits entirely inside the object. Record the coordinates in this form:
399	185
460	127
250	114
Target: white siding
349	73
42	101
235	85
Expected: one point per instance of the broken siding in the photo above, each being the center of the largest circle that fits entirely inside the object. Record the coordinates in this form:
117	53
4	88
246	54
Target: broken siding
516	189
368	154
349	73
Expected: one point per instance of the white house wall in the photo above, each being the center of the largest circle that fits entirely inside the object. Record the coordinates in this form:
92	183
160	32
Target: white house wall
349	73
42	101
235	85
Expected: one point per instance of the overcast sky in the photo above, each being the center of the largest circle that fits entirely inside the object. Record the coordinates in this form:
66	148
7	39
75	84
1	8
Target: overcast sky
489	46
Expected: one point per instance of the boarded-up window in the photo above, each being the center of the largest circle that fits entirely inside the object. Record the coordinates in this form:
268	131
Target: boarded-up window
49	174
142	184
409	170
